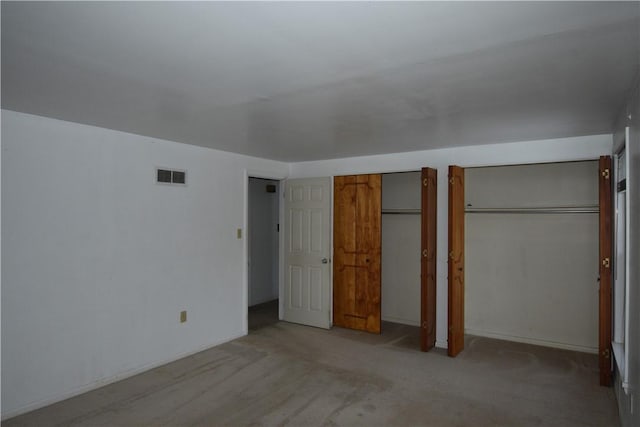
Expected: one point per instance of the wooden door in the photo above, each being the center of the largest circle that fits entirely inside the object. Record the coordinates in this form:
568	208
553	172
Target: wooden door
357	252
307	282
606	259
428	260
456	261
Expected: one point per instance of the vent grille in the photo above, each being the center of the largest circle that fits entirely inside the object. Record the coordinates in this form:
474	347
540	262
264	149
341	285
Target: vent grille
178	177
164	176
169	176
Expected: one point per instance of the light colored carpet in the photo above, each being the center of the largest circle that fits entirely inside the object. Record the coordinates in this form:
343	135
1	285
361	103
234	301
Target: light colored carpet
286	374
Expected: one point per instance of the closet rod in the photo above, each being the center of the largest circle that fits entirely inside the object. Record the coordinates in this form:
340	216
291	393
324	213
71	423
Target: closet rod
546	210
401	211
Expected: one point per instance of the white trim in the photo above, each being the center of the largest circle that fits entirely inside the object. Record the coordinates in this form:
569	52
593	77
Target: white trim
620	349
110	380
619	140
281	196
245	255
534	341
331	255
619	356
627	261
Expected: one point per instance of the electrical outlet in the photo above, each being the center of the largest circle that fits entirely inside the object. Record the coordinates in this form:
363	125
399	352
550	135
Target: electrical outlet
183	316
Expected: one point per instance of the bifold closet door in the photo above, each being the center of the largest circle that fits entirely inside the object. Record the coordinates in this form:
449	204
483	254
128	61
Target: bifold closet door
357	252
606	253
428	259
456	261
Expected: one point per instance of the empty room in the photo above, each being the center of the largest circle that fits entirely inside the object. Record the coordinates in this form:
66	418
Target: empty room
320	213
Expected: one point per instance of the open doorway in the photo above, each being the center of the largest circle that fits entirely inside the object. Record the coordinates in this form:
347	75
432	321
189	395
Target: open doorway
263	252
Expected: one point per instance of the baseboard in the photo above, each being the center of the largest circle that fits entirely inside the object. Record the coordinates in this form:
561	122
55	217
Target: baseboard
108	380
526	340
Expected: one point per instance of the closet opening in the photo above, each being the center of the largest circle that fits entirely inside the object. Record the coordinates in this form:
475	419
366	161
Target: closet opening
385	255
530	258
401	254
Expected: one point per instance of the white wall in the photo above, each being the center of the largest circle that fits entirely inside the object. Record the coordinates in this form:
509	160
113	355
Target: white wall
263	241
92	286
401	249
98	260
555	150
629	403
533	277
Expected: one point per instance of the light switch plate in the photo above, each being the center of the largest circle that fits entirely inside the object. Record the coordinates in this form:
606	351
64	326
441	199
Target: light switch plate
183	316
239	233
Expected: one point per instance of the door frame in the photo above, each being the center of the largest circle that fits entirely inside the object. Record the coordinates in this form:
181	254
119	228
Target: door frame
254	173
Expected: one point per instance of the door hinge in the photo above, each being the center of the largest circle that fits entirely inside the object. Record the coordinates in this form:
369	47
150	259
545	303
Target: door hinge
606	262
606	353
605	173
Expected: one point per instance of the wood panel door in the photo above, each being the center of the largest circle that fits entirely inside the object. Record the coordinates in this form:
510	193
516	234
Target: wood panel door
456	261
307	237
357	252
428	259
606	259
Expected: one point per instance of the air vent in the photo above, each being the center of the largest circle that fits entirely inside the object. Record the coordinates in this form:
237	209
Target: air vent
168	176
178	177
164	176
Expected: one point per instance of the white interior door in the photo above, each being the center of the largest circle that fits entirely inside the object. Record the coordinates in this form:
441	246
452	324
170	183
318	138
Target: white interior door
307	240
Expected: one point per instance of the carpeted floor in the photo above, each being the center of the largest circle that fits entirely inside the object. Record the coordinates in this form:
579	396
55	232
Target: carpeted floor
286	374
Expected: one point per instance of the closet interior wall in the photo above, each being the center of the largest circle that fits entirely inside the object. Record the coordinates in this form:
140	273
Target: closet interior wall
401	208
532	254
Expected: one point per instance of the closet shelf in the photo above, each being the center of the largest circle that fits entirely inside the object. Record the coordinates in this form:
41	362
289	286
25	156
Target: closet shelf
538	210
401	211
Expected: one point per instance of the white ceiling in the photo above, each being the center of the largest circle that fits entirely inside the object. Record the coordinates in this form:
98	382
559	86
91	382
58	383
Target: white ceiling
303	81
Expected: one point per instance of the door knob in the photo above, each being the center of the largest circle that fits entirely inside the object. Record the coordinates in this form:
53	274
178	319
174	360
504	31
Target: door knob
325	261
